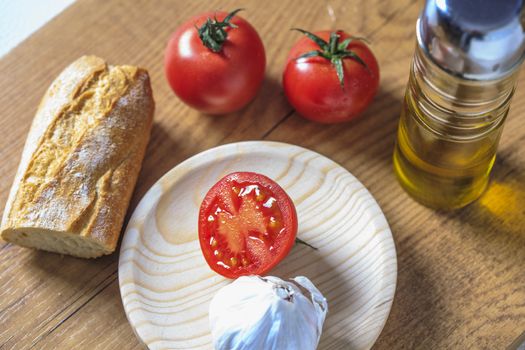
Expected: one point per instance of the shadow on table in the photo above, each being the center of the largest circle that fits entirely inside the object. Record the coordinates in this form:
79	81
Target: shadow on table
162	154
236	126
65	276
380	123
416	283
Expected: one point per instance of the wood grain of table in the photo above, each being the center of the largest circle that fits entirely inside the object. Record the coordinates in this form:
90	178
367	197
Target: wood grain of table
461	279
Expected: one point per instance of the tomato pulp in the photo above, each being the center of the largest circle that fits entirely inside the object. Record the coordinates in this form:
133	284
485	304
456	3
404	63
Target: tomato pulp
247	225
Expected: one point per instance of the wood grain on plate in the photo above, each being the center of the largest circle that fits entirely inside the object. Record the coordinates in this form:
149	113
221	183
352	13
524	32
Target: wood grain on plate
166	284
460	278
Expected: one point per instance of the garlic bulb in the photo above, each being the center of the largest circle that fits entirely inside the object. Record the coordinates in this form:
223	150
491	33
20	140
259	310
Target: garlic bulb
264	313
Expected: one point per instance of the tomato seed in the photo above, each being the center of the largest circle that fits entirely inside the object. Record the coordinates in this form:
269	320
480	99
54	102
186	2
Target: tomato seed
260	197
217	253
213	242
233	261
274	224
244	262
236	190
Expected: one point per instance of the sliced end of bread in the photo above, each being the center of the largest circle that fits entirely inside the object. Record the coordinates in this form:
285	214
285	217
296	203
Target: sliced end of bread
56	242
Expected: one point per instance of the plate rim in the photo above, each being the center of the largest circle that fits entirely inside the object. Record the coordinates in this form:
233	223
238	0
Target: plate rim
197	160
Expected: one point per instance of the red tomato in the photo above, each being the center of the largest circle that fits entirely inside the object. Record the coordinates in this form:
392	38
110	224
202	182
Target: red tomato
312	86
215	82
247	225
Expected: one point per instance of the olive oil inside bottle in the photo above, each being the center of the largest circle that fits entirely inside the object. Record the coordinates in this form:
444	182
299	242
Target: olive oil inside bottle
448	135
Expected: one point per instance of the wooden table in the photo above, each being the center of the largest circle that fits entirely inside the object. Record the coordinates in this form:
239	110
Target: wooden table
461	281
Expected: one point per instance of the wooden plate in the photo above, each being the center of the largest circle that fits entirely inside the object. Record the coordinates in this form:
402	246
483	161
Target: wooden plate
166	285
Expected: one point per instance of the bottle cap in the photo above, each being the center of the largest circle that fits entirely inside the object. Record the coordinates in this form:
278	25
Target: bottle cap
474	39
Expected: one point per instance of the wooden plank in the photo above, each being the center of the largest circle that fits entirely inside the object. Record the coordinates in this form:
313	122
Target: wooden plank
460	281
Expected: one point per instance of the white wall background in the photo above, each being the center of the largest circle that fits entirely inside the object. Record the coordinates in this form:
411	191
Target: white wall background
20	18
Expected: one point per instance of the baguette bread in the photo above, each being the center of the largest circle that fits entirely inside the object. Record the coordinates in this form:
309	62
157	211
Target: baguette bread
81	160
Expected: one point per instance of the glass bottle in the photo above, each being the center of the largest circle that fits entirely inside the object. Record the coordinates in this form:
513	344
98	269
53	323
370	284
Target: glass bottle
461	83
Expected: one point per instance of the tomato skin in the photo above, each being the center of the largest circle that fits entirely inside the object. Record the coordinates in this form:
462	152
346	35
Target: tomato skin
284	241
215	83
313	89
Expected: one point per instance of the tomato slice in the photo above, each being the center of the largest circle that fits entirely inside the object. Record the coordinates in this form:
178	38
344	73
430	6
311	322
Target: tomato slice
247	225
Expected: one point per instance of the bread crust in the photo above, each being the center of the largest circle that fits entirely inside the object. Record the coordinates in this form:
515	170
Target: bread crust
82	158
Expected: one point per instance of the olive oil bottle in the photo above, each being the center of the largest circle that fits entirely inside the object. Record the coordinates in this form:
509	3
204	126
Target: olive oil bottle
461	83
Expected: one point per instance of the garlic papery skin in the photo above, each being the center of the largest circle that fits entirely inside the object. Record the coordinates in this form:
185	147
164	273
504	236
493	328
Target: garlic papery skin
263	313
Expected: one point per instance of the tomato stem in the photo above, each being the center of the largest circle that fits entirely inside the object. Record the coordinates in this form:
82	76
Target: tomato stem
213	33
300	241
334	51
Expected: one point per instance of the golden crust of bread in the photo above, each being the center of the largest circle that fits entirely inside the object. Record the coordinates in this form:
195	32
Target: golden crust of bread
81	160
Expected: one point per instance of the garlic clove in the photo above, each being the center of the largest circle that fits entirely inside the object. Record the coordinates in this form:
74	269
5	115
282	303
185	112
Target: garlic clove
267	313
318	300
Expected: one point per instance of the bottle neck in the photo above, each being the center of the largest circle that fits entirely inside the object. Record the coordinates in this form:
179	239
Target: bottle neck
454	106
